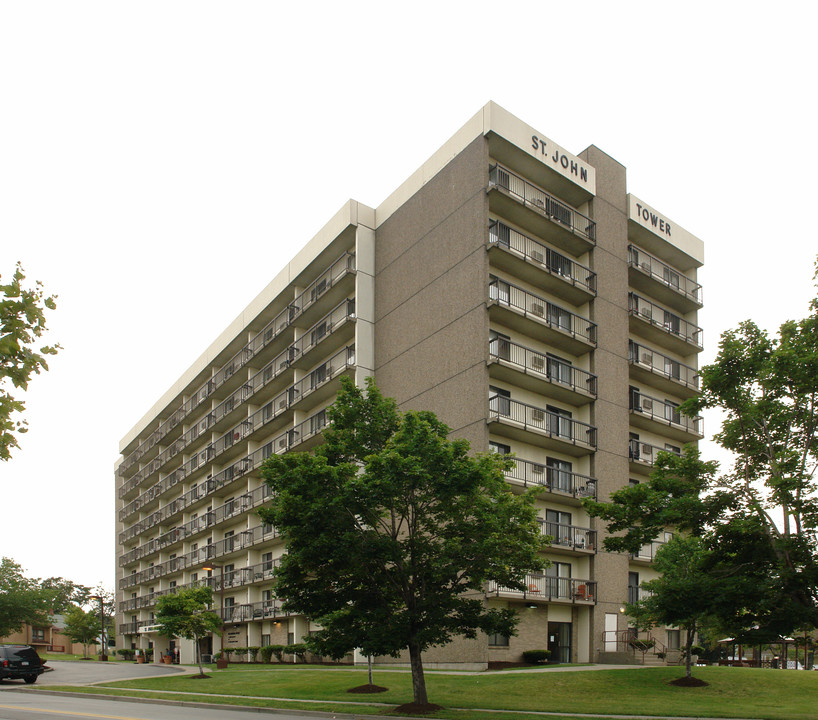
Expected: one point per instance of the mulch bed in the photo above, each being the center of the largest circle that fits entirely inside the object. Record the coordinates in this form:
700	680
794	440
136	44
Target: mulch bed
367	689
688	682
416	709
199	677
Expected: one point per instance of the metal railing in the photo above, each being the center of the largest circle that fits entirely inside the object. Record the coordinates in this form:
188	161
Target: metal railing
563	482
664	320
645	452
546	204
343	266
533	250
660	364
635	594
664	273
542	310
322	374
664	412
545	587
541	365
569	536
264	610
648	552
551	423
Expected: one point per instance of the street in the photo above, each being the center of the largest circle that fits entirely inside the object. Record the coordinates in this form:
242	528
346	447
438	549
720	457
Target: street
30	705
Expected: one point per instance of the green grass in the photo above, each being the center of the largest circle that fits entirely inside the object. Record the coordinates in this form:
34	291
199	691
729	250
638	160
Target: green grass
733	692
72	657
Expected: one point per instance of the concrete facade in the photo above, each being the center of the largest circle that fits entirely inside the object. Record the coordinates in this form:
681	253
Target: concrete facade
516	290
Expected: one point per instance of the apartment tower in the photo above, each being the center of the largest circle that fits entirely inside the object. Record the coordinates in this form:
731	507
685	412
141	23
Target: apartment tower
513	288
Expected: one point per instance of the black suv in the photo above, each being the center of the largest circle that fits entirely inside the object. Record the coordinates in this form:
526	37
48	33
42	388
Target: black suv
20	661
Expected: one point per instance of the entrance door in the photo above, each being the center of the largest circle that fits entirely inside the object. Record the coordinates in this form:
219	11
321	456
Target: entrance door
559	641
610	632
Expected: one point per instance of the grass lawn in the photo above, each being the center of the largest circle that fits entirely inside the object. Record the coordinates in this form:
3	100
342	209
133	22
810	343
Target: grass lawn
70	657
733	692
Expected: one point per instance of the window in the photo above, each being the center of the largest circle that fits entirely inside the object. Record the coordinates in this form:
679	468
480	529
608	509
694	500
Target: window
673	448
499	345
557	525
37	635
673	369
267	596
671	278
558	579
499	290
559	475
672	412
318	376
318	334
557	263
673	639
172	584
498	640
265	640
499	448
318	421
558	317
290	638
633	587
229	574
267	561
633	446
558	369
559	422
499	401
673	323
500	234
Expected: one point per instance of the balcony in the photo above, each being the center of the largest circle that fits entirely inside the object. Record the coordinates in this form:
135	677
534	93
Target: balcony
532	315
543	588
131	628
322	288
529	259
569	538
543	214
647	553
663	327
515	419
648	412
667	284
662	371
642	456
570	486
537	371
635	594
259	611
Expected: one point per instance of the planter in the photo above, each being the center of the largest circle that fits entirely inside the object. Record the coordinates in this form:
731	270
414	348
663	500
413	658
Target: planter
140	659
167	659
221	663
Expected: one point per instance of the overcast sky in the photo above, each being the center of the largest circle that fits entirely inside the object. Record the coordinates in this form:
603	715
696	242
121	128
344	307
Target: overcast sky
161	161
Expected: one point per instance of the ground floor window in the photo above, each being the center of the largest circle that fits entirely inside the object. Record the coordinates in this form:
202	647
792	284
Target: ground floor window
673	639
265	640
498	640
559	641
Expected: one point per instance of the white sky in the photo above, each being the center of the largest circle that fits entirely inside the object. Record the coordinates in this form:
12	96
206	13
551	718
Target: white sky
161	161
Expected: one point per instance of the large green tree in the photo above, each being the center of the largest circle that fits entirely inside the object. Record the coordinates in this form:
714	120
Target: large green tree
185	614
393	530
22	322
82	626
21	600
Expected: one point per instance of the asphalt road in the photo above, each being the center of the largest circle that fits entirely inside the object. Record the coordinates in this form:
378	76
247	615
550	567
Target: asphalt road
85	673
30	705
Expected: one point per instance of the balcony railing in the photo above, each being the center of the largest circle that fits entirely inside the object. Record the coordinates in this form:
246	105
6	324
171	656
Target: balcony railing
551	423
664	320
547	588
533	306
550	260
131	628
664	413
660	364
260	572
338	270
264	610
318	377
665	274
569	536
563	482
539	364
542	202
648	551
645	453
635	594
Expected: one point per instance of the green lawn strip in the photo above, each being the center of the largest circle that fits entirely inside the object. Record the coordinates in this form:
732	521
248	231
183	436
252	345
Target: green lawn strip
446	714
733	692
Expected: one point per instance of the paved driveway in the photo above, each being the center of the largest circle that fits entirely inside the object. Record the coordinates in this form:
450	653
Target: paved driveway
85	673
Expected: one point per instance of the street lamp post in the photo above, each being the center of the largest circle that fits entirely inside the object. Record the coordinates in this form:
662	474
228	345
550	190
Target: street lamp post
102	654
210	567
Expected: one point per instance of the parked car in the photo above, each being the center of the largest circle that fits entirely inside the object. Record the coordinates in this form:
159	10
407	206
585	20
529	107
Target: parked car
20	661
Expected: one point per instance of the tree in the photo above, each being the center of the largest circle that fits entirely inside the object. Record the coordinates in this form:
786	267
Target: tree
82	626
767	389
393	530
184	614
21	600
22	321
685	594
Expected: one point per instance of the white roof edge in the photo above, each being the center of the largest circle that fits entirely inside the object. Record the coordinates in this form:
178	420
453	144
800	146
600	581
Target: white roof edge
351	213
670	232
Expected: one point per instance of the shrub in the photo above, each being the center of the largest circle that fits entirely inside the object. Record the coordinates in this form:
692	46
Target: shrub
536	656
697	650
252	651
217	656
278	651
126	653
297	649
241	653
266	653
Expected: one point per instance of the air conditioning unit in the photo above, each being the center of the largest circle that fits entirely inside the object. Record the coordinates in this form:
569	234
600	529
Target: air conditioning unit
282	442
537	256
537	362
644	312
647	359
282	404
647	449
538	202
646	267
538	309
647	405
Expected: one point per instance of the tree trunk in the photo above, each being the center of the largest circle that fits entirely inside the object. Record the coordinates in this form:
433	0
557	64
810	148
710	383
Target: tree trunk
369	667
691	631
198	654
418	680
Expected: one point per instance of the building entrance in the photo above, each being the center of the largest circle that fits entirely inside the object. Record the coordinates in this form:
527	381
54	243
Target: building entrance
559	641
